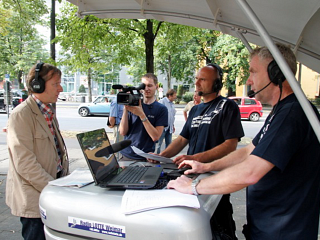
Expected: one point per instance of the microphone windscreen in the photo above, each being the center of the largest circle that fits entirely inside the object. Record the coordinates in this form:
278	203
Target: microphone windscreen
251	94
116	147
105	152
200	93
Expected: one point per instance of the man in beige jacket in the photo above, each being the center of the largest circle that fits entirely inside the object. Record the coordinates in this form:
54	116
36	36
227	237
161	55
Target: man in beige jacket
36	149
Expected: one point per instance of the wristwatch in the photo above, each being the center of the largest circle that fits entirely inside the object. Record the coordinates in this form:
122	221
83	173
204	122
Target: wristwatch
194	184
145	119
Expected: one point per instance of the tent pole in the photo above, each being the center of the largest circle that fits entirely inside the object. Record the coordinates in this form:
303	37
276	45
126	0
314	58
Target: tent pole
244	41
312	117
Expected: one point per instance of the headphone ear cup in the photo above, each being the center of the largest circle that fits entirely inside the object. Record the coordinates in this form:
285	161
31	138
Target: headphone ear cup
38	85
217	85
274	72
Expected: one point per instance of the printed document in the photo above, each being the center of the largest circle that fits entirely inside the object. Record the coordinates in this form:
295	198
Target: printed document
151	156
135	201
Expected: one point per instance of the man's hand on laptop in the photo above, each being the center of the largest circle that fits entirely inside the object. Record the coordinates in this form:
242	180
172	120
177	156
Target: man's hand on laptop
181	184
196	167
181	158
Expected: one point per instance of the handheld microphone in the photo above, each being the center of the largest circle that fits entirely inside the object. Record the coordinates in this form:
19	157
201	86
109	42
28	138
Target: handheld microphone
116	147
251	93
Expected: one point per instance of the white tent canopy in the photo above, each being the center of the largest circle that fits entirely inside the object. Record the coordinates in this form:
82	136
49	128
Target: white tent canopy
262	22
293	22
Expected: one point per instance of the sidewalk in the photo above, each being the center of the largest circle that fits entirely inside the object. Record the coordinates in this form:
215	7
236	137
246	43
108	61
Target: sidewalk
10	226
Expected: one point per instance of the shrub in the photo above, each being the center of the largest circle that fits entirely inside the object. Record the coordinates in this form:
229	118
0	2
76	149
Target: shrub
187	97
82	89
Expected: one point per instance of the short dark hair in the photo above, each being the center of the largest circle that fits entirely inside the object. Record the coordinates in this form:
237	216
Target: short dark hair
152	76
171	92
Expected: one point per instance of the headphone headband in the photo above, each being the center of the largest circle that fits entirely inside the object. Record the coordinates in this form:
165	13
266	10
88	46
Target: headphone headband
217	84
218	68
37	70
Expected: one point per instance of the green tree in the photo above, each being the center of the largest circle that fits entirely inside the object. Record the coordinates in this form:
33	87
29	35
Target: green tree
181	50
137	39
20	44
4	16
87	43
91	42
233	57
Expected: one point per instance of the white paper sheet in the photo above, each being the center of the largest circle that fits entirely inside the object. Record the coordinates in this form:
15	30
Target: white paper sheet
78	178
151	156
135	201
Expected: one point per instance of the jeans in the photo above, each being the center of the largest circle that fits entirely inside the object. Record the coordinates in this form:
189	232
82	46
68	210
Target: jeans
167	136
32	229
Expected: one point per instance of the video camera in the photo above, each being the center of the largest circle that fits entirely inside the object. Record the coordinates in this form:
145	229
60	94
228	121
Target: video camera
132	98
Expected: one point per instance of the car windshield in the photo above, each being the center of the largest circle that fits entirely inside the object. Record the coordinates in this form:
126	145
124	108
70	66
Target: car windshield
104	99
99	100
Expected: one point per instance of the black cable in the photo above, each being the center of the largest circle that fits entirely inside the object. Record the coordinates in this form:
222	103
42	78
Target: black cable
273	112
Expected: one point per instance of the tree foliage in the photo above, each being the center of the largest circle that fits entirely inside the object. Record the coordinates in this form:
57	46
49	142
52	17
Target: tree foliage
175	56
231	54
20	43
87	44
102	46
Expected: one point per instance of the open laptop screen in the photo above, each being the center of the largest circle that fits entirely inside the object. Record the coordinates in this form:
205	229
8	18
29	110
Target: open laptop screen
101	167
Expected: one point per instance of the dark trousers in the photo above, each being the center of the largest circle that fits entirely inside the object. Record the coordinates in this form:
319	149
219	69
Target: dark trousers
222	224
32	229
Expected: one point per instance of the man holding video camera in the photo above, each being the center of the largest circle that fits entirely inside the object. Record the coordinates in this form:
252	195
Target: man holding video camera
143	124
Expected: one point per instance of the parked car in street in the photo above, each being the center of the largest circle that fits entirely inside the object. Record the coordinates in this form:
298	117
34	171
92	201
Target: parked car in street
100	106
2	104
18	96
250	108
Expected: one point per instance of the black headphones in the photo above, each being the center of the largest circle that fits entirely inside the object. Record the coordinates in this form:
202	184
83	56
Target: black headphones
275	73
217	84
37	85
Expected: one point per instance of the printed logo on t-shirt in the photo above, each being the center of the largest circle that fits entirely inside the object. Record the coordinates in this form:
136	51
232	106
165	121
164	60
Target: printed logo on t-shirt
207	118
265	128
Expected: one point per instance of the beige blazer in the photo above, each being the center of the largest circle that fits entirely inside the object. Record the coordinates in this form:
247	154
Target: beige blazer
33	158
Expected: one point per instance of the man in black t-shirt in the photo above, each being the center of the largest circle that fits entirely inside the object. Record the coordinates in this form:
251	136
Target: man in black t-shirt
212	130
280	168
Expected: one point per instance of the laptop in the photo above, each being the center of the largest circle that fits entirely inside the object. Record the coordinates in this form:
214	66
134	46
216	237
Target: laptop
106	171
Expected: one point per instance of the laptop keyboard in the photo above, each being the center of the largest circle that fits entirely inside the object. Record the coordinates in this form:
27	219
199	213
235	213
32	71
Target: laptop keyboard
132	175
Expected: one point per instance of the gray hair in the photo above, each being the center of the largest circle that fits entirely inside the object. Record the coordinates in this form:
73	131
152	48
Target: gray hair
264	53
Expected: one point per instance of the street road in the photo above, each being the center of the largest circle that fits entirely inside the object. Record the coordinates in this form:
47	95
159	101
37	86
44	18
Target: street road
70	120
